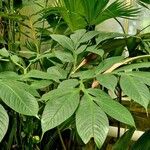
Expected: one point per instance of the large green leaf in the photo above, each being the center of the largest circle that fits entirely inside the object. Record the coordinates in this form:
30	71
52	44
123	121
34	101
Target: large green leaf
91	121
63	41
135	89
111	107
59	108
3	122
18	99
107	80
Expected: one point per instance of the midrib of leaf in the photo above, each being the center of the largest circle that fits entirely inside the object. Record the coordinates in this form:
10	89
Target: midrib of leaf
17	96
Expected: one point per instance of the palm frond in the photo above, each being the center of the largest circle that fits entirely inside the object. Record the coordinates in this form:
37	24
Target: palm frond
117	9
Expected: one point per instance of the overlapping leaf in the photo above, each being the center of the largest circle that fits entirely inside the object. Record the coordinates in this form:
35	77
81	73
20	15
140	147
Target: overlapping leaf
111	107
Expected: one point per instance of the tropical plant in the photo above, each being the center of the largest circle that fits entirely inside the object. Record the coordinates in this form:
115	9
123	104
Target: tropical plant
76	83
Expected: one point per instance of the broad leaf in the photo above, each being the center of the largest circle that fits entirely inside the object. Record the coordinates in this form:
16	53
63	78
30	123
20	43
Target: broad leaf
9	75
63	41
4	52
59	109
135	89
111	107
18	99
107	80
91	121
3	122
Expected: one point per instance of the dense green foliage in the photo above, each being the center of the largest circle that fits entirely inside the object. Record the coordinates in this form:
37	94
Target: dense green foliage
66	76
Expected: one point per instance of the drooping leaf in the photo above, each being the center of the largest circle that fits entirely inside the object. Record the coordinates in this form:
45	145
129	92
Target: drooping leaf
63	41
124	141
59	108
107	80
91	121
18	99
135	89
143	142
111	107
4	120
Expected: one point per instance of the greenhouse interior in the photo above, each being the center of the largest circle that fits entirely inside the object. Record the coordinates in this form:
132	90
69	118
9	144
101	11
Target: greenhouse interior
74	74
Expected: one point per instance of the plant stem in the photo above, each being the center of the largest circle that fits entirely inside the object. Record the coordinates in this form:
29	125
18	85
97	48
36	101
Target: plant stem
61	139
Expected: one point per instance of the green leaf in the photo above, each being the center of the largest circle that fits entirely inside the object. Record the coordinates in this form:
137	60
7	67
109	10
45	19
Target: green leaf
77	36
143	143
124	140
40	75
107	80
4	120
95	50
64	41
70	83
18	99
135	89
4	52
9	75
91	121
111	107
88	74
88	36
15	59
59	109
64	56
39	84
141	75
57	72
